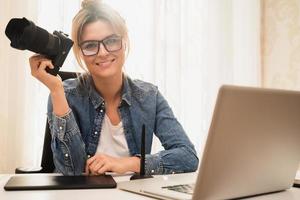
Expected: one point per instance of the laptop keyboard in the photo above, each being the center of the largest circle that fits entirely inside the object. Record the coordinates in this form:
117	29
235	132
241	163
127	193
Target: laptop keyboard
185	188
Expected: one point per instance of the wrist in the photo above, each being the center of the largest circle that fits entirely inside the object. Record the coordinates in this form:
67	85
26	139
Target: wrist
134	164
58	90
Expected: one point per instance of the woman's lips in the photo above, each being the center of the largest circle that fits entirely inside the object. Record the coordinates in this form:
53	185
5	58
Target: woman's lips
105	63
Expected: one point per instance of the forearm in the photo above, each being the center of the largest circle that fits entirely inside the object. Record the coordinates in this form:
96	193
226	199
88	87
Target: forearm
176	160
67	144
69	156
59	102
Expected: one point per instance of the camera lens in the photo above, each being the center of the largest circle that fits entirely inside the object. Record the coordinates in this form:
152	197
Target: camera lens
24	34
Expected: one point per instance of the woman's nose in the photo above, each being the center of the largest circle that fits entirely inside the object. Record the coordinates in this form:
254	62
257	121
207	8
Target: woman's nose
102	50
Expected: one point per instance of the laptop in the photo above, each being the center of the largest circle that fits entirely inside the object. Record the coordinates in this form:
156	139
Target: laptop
253	147
54	182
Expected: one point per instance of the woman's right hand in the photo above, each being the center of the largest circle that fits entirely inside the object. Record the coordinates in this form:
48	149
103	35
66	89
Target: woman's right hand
38	64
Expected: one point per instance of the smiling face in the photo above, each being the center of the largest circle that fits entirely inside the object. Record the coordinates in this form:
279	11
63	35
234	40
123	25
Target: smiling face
105	64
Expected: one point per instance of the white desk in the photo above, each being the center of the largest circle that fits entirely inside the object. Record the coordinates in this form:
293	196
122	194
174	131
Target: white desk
107	194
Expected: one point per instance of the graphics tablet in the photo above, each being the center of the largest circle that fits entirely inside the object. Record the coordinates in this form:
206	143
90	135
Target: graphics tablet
54	182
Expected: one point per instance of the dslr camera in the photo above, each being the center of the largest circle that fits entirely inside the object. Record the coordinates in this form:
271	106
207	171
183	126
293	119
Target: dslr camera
24	34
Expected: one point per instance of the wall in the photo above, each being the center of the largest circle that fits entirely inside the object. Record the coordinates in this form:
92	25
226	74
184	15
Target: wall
281	44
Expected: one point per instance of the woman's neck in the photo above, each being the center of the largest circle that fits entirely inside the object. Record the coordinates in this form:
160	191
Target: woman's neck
109	88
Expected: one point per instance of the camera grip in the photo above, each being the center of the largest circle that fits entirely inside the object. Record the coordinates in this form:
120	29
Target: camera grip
53	71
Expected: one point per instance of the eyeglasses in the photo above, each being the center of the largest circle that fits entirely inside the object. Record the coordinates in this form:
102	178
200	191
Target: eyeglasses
91	47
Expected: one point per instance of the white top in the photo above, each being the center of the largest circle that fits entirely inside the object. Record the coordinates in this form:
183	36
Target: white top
112	140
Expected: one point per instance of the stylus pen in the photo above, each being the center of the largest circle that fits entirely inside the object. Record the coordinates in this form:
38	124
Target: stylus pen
142	158
142	164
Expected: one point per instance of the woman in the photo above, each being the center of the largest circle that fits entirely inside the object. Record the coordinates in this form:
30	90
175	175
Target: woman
96	120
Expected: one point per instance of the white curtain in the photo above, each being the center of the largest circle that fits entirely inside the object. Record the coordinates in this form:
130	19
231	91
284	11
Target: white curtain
19	104
188	48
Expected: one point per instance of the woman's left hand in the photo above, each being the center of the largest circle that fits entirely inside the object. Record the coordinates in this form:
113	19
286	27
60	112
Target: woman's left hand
101	163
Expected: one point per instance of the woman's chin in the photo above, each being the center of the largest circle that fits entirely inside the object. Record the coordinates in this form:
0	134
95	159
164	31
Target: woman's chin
105	73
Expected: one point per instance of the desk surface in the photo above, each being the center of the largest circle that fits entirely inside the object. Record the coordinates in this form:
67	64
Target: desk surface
96	194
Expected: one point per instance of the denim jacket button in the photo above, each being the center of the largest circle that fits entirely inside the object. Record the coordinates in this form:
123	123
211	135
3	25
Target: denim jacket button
66	155
96	132
101	110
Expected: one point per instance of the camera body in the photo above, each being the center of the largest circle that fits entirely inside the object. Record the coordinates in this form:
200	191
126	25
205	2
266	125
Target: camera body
24	34
65	44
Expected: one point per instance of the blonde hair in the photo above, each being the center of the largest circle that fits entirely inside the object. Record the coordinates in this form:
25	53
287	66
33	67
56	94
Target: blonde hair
91	11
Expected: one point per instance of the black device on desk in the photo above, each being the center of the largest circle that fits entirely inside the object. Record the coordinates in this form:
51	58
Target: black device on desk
296	183
54	182
142	175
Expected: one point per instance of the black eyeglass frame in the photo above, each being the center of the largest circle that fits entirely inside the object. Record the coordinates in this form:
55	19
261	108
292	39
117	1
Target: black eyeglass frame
101	42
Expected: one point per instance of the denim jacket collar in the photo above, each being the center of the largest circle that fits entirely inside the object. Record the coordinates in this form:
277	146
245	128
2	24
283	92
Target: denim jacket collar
97	99
126	91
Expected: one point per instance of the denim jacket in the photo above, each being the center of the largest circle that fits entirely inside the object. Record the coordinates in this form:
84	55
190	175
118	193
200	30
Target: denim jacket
75	136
